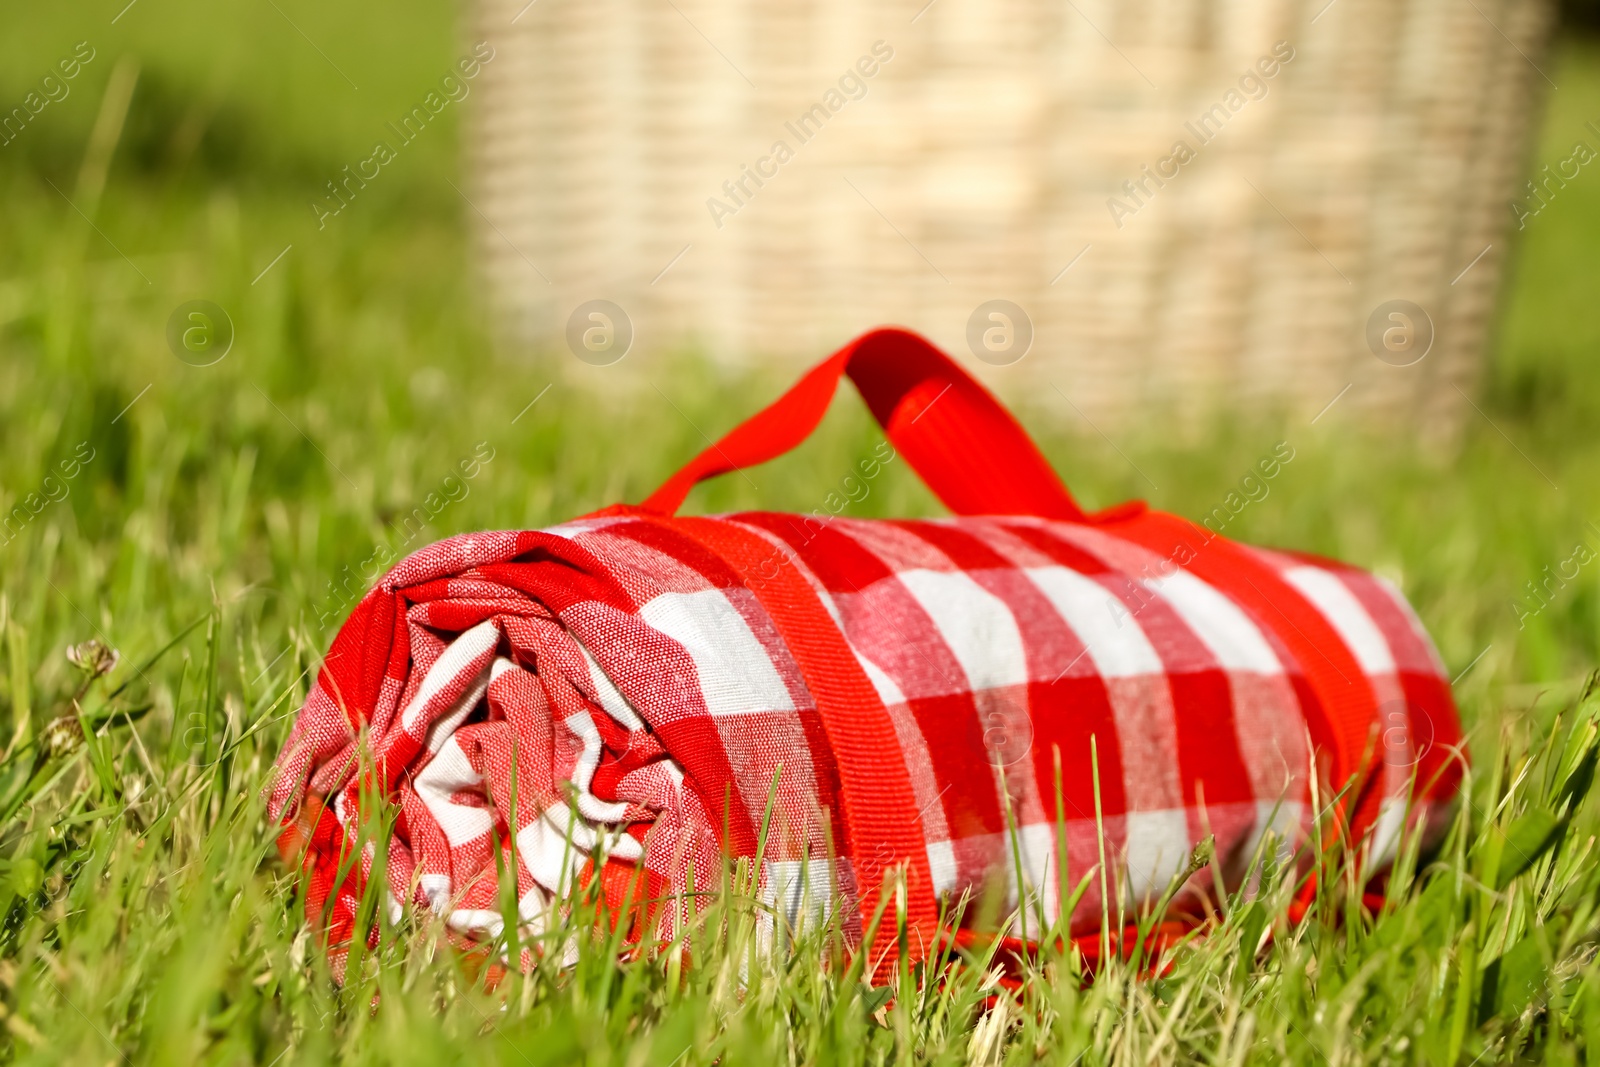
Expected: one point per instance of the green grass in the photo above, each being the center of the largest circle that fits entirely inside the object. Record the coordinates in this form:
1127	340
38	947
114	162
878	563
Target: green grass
144	913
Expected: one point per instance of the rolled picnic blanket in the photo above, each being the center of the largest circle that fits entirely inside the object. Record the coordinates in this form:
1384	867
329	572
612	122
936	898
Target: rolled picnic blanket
936	705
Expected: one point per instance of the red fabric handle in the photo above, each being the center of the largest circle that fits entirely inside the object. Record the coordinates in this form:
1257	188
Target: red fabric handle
968	449
875	788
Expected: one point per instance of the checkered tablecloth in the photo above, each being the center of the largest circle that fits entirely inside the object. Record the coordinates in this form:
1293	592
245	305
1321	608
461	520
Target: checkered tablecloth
653	667
938	707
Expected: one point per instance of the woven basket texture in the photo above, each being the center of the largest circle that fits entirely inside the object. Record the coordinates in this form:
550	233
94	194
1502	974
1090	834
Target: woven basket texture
1000	151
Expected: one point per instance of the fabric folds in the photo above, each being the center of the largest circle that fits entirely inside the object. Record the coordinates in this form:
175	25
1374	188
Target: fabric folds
915	695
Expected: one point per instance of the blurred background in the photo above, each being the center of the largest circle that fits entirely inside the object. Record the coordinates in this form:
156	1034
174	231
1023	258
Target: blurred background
392	222
1193	205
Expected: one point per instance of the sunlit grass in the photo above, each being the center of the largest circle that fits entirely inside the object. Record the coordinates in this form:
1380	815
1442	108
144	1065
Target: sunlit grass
213	513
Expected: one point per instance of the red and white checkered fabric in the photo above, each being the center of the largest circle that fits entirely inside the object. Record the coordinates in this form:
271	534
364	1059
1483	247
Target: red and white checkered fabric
635	686
625	660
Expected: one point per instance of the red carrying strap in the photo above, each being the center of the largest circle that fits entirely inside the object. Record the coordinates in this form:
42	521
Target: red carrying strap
979	461
875	788
968	449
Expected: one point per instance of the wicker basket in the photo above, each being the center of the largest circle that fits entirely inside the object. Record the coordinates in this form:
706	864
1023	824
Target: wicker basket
986	158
